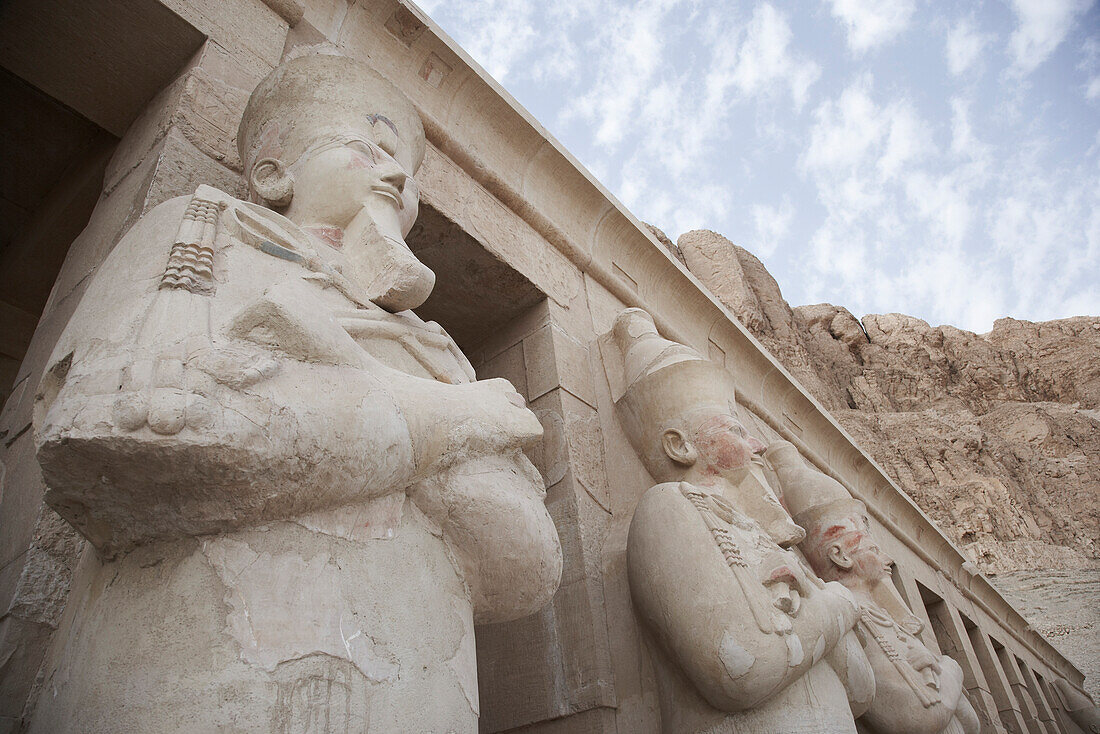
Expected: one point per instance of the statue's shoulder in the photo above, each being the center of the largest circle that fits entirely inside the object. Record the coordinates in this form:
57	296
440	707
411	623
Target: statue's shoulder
157	224
664	505
157	228
178	205
666	493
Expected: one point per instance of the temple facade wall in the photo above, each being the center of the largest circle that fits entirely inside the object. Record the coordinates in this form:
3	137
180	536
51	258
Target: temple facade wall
494	176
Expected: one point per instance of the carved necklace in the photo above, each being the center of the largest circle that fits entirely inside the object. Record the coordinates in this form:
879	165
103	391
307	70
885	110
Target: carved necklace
706	505
877	621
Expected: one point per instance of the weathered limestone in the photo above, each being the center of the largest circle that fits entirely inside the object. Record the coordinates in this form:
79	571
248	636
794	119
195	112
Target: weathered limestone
994	435
742	633
916	691
535	259
300	500
1079	707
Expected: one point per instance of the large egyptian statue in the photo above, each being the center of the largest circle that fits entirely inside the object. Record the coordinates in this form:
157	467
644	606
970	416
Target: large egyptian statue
300	499
1078	706
743	637
916	690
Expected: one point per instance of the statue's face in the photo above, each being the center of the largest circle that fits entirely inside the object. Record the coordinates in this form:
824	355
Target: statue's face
725	448
869	562
356	172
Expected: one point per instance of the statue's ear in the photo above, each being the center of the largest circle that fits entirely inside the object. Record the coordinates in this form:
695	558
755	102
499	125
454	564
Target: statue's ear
272	182
678	448
839	557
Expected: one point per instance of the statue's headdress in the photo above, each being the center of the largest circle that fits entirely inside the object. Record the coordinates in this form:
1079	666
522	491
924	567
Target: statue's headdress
664	382
810	496
311	97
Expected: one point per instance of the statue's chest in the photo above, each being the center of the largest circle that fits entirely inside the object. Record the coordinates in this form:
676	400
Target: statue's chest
774	580
310	305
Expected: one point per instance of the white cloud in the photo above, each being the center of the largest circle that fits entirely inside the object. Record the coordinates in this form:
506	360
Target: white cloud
765	60
772	225
942	201
884	196
501	32
1042	25
908	140
630	48
1046	226
871	23
854	133
964	44
1092	88
638	93
958	235
844	130
962	135
1090	65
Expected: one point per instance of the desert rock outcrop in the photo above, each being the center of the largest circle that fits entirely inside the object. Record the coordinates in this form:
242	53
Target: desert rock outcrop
996	436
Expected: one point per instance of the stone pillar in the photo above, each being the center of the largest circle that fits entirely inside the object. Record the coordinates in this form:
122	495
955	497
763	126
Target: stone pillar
1000	688
550	368
1019	688
1046	716
954	640
912	595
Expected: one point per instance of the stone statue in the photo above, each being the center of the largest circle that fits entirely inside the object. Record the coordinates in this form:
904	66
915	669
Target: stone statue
916	690
744	638
300	498
1079	706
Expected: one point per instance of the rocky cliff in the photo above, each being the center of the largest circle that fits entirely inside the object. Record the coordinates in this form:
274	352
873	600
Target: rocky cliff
996	436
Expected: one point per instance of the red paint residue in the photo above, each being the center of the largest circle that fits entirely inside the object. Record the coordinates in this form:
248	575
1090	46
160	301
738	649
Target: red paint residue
331	236
362	161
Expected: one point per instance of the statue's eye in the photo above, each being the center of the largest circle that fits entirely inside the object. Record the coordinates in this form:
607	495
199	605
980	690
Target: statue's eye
360	146
385	137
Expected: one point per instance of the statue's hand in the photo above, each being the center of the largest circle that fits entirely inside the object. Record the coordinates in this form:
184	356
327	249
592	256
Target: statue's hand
920	658
840	599
175	393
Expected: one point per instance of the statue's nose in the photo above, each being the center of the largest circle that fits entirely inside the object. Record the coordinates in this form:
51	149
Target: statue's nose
758	447
395	177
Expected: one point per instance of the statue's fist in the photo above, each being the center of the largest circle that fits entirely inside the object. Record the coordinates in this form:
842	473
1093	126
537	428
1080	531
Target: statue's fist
177	394
843	602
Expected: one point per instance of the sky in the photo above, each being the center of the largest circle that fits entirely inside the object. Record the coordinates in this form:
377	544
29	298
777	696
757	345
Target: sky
939	159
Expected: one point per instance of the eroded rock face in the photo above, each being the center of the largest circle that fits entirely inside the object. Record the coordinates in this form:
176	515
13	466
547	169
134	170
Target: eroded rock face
996	436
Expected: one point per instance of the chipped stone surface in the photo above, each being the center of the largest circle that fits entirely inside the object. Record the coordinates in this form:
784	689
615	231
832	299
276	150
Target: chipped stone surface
286	606
379	519
737	660
464	661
